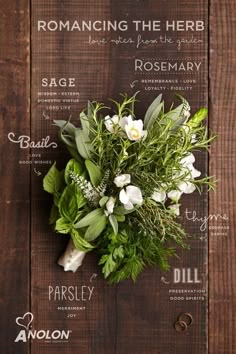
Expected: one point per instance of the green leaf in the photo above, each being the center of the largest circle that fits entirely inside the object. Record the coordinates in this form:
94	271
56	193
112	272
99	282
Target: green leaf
114	223
83	144
175	113
85	123
74	153
96	228
72	166
118	252
67	132
66	126
103	201
63	226
109	264
68	203
90	218
79	241
94	173
151	109
154	116
120	218
54	215
81	200
53	180
198	117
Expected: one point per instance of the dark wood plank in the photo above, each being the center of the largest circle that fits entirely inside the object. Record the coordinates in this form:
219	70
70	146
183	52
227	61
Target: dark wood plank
222	245
15	178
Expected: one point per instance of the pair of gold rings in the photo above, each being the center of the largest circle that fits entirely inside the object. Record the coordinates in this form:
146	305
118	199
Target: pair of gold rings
183	322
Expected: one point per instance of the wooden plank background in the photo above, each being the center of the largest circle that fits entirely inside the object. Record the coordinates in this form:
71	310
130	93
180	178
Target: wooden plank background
222	249
15	178
127	318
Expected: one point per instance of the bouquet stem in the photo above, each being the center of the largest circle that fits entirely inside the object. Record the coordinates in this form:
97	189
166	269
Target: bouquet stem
72	258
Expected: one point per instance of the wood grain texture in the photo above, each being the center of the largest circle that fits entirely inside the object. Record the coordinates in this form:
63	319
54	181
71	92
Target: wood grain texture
222	248
15	178
127	318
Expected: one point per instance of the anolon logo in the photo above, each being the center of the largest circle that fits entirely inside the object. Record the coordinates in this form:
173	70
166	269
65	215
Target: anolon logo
26	334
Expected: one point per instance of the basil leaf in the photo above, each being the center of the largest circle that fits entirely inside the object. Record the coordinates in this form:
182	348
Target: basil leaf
63	226
72	166
68	203
79	242
53	181
54	215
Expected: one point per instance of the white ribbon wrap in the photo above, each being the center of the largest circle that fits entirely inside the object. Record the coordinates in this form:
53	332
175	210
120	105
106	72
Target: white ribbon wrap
72	258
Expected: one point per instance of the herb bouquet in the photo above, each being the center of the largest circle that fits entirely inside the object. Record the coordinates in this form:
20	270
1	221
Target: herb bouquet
120	192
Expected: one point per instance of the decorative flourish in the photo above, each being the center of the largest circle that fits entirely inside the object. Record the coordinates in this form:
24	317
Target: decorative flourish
120	193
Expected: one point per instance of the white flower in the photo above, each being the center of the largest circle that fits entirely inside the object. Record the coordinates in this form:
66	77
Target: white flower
187	160
131	196
187	163
111	123
186	187
110	206
122	180
193	171
159	195
175	209
175	195
125	121
134	129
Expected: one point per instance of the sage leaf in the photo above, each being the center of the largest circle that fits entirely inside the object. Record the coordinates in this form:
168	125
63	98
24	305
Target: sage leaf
65	126
94	173
92	217
67	132
154	116
122	211
175	113
83	144
151	109
84	123
114	223
103	201
95	229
